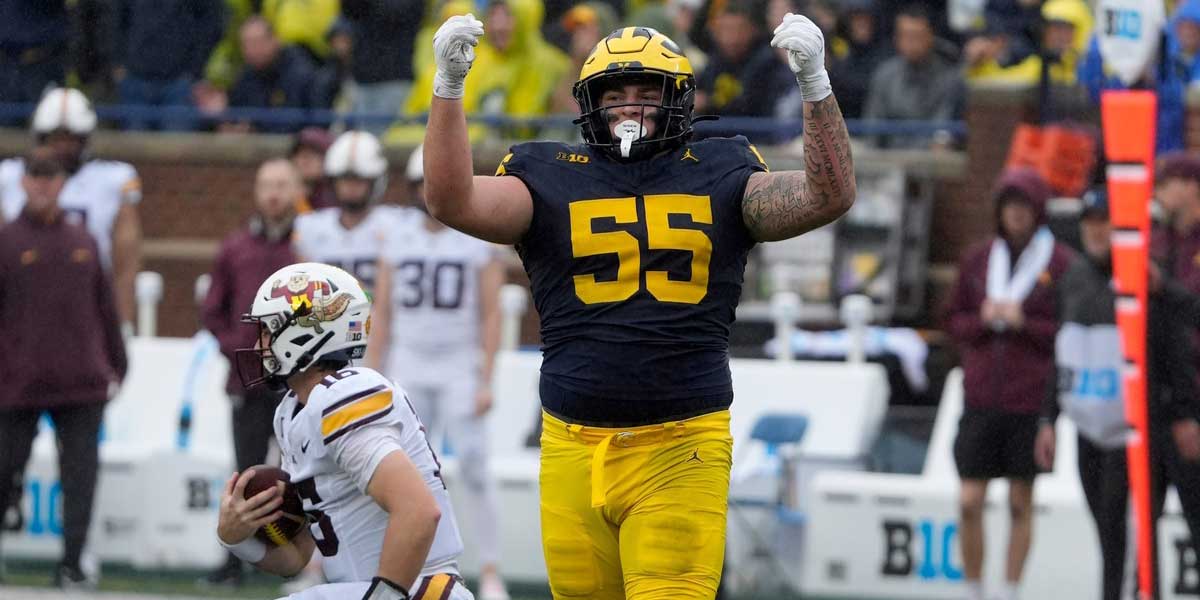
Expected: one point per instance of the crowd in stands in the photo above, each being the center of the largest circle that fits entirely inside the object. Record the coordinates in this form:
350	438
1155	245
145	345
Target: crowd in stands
373	58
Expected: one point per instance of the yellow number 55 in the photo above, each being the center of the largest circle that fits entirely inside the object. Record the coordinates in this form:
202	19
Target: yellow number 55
660	236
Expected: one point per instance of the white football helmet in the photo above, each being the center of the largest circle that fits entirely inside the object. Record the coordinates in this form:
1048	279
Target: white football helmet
306	312
358	154
64	109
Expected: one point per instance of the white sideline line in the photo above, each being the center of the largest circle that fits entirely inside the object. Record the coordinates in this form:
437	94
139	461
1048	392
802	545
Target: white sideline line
24	593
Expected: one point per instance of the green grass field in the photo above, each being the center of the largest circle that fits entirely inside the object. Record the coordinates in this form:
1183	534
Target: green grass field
184	583
258	586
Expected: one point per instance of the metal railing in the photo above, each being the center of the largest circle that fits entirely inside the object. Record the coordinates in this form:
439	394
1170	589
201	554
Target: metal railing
121	115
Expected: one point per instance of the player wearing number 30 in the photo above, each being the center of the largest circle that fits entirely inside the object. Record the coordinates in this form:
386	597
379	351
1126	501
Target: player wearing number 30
355	449
635	244
351	234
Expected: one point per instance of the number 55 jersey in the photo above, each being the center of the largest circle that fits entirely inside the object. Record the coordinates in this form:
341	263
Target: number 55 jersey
636	270
332	445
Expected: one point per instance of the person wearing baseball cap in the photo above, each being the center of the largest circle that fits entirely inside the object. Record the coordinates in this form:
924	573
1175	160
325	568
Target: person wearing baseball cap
62	346
1087	352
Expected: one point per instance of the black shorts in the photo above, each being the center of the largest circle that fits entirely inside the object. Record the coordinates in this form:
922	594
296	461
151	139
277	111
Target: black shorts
993	444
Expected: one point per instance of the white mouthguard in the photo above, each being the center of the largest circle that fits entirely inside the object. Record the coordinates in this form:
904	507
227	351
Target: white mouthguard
628	131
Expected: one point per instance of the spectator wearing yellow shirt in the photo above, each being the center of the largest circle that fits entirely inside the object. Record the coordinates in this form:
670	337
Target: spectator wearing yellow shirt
303	23
515	73
1067	24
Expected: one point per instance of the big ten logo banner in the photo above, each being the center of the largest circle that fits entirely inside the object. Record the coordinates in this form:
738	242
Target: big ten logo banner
1129	32
925	548
36	507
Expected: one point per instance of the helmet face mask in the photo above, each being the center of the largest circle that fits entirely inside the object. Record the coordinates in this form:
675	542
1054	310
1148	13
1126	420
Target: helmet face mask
258	365
636	56
351	199
305	313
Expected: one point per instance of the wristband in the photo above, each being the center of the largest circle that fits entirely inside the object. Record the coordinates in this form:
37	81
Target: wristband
447	87
814	87
383	588
251	549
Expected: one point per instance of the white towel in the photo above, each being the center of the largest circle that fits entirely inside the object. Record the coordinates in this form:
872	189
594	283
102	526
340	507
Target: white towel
1005	284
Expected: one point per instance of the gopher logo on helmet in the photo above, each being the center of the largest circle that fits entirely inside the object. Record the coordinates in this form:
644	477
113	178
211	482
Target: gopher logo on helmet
312	301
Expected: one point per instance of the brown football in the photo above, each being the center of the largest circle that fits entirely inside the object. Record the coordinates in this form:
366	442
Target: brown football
293	520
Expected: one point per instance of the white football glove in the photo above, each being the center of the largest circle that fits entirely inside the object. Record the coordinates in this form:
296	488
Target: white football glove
454	50
806	55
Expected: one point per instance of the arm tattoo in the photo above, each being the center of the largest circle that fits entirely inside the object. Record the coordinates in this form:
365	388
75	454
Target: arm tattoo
781	205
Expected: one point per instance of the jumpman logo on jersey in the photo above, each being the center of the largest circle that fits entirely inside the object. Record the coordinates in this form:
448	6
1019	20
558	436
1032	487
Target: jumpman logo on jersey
695	456
687	153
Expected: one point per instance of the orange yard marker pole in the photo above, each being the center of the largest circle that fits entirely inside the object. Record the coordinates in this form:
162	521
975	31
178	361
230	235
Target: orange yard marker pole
1128	121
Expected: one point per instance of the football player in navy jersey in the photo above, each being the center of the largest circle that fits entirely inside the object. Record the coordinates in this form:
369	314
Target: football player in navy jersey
635	244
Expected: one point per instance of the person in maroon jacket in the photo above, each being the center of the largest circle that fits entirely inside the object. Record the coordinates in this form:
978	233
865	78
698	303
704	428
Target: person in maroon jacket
246	258
63	351
1003	315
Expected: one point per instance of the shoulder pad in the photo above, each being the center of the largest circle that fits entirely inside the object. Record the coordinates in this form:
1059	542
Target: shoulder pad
119	177
349	399
736	148
521	156
12	167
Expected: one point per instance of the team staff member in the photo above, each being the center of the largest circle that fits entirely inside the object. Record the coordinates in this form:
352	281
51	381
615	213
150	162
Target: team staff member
101	195
1088	354
1175	279
1003	316
635	244
245	259
61	342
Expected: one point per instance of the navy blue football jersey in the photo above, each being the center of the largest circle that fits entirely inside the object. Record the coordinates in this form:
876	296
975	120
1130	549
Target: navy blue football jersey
636	270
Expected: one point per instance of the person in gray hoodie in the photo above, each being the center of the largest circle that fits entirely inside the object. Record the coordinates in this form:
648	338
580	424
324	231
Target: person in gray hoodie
1089	389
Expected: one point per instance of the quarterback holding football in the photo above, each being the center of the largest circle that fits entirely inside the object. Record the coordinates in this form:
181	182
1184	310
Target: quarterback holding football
355	451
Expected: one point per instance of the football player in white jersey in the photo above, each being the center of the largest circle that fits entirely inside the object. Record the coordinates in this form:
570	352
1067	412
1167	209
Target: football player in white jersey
356	452
351	235
102	195
437	308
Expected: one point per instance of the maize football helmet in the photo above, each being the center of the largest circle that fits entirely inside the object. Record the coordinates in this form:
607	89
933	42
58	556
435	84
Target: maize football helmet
632	55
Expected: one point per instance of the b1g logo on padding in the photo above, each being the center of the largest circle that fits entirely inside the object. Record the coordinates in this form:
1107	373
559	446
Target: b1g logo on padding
927	550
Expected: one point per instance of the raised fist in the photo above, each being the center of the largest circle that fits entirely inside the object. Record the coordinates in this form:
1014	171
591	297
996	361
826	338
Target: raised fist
806	55
454	51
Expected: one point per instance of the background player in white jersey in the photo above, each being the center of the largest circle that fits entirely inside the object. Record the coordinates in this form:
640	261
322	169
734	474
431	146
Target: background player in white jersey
355	449
437	307
100	194
351	234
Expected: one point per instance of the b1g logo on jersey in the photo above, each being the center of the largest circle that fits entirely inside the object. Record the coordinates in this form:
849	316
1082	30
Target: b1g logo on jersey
582	159
926	550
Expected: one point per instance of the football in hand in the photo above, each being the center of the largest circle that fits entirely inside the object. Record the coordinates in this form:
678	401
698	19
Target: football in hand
293	520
